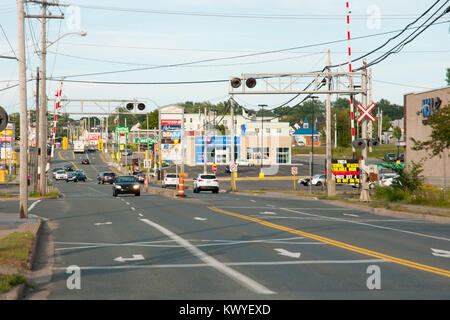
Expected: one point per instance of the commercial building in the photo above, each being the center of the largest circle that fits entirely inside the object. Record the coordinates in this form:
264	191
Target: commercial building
418	107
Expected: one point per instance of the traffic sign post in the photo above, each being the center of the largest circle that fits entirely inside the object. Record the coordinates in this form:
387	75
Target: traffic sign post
233	170
294	171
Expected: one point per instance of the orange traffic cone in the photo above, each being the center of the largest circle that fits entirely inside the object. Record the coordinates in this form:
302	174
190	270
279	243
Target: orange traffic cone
180	188
145	182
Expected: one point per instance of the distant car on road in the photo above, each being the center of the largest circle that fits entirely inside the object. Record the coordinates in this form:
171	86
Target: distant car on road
85	161
126	185
91	149
140	176
205	182
76	176
127	152
69	167
61	175
106	177
170	180
390	157
318	179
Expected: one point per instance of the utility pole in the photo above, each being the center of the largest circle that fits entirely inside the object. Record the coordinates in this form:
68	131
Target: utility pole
23	210
261	174
364	183
43	89
331	186
370	124
36	129
232	160
335	132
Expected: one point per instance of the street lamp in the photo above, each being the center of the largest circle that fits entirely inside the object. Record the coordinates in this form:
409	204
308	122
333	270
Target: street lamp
81	33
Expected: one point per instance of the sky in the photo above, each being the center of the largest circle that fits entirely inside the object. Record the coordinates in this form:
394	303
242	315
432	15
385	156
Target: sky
208	36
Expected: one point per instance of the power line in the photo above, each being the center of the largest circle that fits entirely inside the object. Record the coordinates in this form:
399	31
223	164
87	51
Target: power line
226	58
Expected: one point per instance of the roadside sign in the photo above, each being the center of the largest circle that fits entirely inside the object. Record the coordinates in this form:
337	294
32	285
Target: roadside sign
100	144
294	170
345	170
233	167
122	130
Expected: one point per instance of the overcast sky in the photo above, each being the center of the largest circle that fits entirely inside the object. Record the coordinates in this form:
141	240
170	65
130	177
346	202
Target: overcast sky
148	34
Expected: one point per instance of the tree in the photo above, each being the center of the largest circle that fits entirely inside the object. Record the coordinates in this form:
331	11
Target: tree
397	133
440	133
448	76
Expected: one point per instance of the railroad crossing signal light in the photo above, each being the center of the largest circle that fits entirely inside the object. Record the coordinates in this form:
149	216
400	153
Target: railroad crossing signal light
235	82
359	144
141	106
130	106
250	83
374	143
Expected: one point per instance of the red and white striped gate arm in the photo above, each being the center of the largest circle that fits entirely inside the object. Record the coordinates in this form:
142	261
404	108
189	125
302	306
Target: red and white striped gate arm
57	106
352	103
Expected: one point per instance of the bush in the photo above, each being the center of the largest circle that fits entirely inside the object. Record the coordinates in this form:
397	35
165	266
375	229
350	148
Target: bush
389	194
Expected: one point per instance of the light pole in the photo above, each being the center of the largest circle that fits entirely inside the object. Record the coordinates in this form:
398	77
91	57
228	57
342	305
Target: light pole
43	105
262	138
311	160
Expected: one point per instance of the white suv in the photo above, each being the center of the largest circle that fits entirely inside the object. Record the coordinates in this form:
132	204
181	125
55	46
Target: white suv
170	180
206	182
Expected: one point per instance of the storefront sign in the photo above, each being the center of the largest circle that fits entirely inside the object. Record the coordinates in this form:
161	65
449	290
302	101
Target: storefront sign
429	107
345	170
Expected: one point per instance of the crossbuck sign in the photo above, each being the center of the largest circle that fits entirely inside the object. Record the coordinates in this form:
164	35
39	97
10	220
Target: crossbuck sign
366	112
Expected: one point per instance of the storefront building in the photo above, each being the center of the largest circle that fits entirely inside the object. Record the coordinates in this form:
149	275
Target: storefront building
418	107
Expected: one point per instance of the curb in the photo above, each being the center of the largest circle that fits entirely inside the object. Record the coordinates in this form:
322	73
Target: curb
33	253
15	293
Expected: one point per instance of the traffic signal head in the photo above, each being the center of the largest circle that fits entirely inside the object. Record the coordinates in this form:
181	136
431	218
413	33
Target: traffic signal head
141	106
235	82
130	106
250	83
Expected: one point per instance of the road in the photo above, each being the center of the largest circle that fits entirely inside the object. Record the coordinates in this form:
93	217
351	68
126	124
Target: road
232	246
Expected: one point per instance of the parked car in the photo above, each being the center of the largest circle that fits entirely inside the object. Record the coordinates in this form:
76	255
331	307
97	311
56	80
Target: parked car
390	157
318	179
85	161
372	184
304	181
126	185
69	167
91	148
61	175
170	180
76	176
55	170
387	179
127	152
106	177
205	182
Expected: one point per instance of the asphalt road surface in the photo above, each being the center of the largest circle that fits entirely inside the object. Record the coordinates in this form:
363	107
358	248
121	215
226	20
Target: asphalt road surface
233	246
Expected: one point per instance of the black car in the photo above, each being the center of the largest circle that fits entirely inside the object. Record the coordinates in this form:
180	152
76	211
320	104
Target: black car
106	177
76	176
390	157
126	185
69	167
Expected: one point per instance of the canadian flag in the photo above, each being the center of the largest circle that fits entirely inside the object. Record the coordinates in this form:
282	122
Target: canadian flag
116	119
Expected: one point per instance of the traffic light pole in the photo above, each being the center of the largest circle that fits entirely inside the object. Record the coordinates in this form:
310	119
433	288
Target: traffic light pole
364	181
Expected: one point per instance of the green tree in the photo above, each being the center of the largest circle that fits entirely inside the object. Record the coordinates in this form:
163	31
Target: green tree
448	76
397	133
440	133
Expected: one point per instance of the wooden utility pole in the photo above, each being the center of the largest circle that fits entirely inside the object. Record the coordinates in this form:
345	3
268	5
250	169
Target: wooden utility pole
43	89
364	177
36	127
331	186
23	210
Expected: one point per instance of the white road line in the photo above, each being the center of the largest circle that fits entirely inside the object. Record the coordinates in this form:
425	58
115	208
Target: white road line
351	215
233	274
33	205
368	224
127	203
229	264
133	208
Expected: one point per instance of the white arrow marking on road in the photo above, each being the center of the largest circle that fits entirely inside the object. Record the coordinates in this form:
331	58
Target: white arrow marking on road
440	253
252	200
102	223
351	215
267	212
136	257
287	253
201	219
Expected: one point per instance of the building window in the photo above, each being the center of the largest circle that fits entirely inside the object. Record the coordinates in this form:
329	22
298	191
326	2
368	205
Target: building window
268	130
255	153
283	155
256	130
279	130
190	120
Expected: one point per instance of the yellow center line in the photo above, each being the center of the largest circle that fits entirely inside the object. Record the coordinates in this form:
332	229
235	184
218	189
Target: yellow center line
339	244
